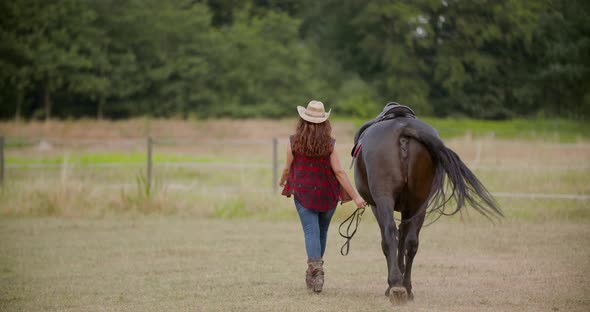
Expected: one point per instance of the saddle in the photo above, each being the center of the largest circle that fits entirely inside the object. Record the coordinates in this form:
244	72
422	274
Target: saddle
392	110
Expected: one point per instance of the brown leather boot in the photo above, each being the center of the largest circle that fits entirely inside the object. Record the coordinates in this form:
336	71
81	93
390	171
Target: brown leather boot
308	274
317	274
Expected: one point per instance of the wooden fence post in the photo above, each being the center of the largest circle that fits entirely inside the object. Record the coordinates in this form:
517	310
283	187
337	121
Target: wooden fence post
149	163
1	160
275	144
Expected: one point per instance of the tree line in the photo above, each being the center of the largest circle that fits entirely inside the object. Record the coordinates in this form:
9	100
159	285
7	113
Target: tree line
491	59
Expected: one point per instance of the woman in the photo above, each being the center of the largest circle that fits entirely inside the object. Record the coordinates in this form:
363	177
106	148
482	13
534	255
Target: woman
314	176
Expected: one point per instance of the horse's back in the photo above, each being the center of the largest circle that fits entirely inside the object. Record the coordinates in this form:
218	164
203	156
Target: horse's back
384	137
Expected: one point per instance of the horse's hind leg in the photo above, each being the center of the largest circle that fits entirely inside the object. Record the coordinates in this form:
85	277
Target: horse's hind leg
389	233
411	243
401	249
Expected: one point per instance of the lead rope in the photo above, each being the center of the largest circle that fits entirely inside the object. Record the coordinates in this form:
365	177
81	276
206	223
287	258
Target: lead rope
357	214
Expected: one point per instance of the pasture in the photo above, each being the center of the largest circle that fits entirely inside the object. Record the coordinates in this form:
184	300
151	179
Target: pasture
80	231
190	264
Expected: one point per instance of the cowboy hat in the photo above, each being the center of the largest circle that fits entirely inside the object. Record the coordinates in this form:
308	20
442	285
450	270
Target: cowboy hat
314	113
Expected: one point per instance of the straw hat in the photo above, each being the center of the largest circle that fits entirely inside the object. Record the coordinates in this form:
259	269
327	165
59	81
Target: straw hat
314	112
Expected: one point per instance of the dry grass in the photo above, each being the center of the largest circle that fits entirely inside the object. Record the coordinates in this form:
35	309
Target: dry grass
241	185
95	240
249	129
186	264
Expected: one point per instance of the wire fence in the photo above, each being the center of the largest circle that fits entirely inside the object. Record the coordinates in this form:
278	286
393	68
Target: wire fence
116	163
211	166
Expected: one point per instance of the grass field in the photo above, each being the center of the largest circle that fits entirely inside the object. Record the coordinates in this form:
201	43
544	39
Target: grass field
191	264
541	129
81	232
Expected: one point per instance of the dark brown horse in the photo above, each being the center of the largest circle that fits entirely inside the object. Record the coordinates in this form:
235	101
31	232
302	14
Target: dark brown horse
402	165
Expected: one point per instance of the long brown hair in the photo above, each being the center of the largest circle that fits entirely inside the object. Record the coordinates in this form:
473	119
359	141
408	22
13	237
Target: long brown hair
313	139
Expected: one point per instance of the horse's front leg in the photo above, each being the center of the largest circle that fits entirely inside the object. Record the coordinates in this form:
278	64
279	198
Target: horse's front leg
389	233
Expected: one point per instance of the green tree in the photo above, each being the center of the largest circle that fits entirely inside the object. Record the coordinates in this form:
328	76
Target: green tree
560	79
49	39
437	56
486	58
180	57
15	64
266	69
482	56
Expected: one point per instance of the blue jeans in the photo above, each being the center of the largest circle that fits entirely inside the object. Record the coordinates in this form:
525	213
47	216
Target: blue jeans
315	229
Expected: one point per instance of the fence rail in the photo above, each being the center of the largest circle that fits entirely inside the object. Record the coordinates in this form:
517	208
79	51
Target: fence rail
150	143
268	166
149	163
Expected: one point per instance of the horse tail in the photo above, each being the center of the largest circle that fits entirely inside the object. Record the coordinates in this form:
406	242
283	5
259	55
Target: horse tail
464	186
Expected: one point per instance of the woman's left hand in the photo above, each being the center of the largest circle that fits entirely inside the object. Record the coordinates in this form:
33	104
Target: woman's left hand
360	202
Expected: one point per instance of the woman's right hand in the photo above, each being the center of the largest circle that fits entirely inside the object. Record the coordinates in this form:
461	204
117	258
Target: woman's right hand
282	182
360	202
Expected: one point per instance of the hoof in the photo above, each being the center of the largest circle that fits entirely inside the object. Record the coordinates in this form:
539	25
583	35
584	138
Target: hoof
397	295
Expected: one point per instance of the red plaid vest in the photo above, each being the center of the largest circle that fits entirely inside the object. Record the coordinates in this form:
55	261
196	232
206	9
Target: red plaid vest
313	182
